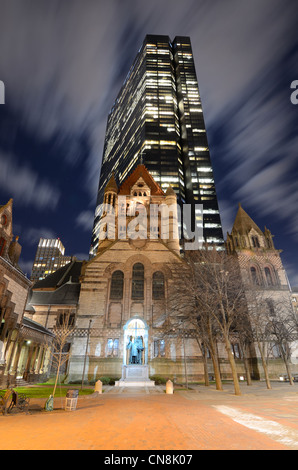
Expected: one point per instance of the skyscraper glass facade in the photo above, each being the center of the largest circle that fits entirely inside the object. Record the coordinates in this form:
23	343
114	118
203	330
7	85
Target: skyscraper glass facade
157	119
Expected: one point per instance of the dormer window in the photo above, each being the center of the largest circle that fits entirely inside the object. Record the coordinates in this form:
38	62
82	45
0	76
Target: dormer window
140	189
255	242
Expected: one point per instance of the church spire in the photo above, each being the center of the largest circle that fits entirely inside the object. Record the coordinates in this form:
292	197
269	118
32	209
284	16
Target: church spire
243	223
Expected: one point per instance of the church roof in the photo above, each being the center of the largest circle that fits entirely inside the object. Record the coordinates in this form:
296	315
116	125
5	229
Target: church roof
68	273
32	325
59	288
112	185
170	191
244	223
140	172
68	294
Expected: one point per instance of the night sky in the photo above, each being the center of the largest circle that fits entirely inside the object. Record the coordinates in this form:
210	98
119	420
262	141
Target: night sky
63	63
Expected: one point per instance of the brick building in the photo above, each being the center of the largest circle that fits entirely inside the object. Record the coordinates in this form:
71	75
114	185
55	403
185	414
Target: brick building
24	344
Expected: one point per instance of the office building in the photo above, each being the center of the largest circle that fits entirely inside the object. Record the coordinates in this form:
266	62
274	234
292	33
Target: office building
49	257
157	120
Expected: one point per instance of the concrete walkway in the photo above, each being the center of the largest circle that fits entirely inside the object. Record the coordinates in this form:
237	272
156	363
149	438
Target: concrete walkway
148	419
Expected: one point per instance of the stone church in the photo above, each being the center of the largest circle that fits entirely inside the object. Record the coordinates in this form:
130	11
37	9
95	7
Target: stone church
118	299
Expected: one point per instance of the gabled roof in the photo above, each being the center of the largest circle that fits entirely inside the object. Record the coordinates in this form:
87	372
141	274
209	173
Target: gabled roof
69	272
244	223
59	288
140	172
67	294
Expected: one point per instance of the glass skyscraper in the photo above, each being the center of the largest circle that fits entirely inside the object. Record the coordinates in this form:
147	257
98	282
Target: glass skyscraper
157	119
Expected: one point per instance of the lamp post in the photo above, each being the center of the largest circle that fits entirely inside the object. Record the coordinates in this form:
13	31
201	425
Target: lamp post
87	344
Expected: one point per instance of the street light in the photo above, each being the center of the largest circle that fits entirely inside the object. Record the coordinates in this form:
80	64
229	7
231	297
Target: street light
87	344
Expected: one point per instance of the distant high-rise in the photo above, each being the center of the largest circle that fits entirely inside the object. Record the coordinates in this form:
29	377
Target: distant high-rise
157	120
49	257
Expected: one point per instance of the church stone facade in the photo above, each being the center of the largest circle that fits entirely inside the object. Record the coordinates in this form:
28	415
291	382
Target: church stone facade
267	288
119	298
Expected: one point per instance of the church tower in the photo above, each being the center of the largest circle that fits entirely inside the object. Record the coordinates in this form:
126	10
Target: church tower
124	287
260	262
267	291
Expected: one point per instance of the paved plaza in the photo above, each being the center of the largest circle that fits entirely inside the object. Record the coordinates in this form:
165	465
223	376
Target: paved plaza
148	419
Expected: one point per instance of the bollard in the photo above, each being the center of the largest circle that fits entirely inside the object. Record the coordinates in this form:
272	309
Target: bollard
98	386
169	387
49	405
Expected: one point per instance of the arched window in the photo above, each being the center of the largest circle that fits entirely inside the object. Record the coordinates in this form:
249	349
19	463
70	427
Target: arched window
116	292
254	276
158	285
137	291
268	276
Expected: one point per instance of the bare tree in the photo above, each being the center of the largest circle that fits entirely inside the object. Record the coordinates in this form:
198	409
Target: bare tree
282	328
213	301
258	331
273	325
185	319
63	331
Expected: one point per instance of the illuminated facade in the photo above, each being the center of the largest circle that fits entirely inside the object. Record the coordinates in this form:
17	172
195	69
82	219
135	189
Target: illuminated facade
49	257
121	299
157	120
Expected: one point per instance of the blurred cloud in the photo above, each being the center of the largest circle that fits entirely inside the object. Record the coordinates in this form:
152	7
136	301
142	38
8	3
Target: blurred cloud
85	220
32	235
26	266
25	185
63	64
71	58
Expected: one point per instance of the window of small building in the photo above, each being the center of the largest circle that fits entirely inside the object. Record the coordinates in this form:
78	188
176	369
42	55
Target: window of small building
117	281
113	347
270	306
254	276
236	350
255	242
268	276
159	348
158	285
137	281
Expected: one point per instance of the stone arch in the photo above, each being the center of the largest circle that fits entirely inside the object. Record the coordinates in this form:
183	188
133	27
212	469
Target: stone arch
256	274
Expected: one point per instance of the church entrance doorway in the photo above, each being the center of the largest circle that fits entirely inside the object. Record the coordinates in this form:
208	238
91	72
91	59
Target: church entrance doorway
135	369
135	342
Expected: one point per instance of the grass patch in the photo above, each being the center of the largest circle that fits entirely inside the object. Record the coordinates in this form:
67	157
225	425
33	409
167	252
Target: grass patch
42	391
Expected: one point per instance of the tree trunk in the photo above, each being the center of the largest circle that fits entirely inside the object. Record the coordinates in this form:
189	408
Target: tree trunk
215	363
206	374
265	368
246	365
57	375
286	364
233	367
205	363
